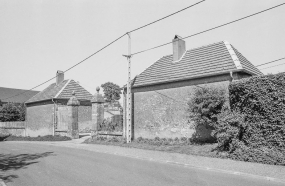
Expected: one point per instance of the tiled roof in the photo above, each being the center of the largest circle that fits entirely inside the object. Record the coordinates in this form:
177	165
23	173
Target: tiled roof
62	91
246	64
204	61
80	92
16	95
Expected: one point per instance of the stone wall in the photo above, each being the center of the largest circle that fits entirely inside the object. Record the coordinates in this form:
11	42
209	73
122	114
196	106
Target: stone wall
84	118
16	128
163	113
39	120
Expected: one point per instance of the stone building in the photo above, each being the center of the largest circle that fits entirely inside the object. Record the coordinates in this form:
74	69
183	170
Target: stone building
161	92
47	111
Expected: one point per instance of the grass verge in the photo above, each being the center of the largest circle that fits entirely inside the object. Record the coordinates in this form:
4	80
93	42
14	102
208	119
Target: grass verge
182	145
39	138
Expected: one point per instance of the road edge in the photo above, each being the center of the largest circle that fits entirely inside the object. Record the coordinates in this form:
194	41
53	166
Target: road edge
69	144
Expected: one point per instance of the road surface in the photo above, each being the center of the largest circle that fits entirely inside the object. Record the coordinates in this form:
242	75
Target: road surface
28	164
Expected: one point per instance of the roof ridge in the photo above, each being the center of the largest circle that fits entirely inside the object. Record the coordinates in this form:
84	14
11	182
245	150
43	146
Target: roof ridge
82	87
204	46
68	81
233	55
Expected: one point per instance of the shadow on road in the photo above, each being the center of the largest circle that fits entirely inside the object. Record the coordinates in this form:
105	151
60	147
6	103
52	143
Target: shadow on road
15	162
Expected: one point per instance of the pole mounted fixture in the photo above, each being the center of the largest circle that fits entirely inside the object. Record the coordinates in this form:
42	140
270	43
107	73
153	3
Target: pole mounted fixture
129	94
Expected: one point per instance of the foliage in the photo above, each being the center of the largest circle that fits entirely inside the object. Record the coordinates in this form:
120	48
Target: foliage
114	139
262	100
253	130
204	106
160	144
229	129
3	135
265	155
109	124
39	138
165	141
111	91
12	112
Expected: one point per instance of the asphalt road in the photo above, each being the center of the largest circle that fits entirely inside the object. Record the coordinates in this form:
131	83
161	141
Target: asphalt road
24	164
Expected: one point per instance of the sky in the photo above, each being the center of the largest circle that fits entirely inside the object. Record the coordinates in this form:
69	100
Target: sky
39	37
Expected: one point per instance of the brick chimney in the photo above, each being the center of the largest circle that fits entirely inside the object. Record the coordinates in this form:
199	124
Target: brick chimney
179	48
59	77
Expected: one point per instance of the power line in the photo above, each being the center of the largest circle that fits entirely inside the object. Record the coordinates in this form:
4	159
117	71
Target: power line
109	45
153	47
166	16
211	28
70	67
270	62
273	66
95	53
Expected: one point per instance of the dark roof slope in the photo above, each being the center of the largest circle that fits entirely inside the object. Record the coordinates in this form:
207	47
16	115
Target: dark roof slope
16	95
198	62
62	91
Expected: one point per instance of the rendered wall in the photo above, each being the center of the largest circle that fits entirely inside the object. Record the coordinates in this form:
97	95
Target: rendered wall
15	128
39	120
84	118
166	115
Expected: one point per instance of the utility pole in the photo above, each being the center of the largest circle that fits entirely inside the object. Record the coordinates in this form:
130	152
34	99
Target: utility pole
129	93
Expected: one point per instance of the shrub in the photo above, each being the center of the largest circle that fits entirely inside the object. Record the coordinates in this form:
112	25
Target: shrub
231	127
12	112
111	126
3	135
139	139
262	100
156	139
204	106
264	155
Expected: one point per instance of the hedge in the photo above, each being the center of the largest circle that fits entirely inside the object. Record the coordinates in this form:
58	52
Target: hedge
203	108
262	100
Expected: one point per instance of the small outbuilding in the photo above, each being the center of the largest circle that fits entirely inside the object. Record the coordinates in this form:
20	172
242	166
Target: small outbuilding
161	92
47	111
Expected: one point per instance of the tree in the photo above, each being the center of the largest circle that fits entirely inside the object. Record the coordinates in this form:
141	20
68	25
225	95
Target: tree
111	91
12	112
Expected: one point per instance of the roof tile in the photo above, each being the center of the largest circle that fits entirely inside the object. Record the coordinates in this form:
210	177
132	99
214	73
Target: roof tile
63	91
203	61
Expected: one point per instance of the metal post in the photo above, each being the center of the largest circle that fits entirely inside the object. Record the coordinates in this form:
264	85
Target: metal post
129	94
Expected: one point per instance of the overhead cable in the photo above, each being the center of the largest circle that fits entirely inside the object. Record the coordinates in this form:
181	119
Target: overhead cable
211	28
273	66
109	45
70	67
166	16
270	62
